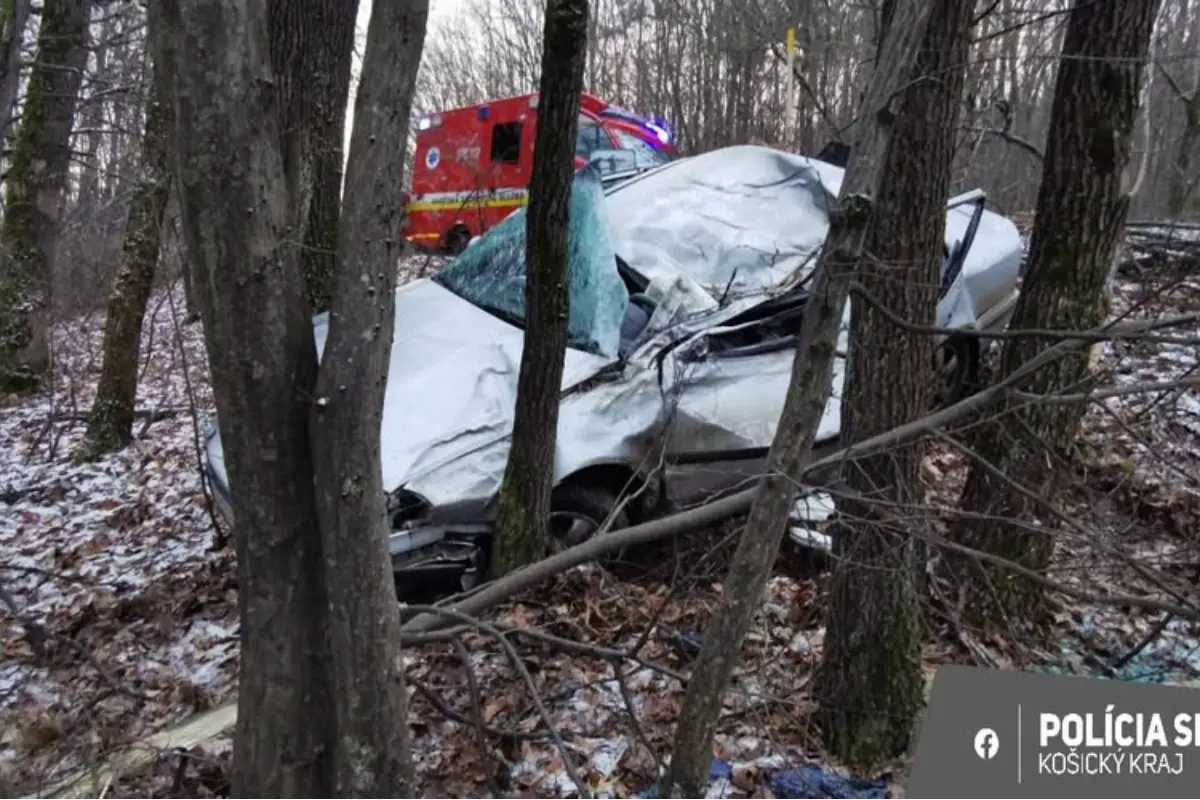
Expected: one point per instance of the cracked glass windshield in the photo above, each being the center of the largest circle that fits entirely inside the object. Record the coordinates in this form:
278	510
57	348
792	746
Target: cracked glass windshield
491	273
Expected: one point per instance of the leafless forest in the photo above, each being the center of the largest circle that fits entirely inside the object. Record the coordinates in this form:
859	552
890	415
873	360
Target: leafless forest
174	214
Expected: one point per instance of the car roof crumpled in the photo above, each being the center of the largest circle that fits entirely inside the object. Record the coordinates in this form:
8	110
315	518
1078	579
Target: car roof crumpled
738	221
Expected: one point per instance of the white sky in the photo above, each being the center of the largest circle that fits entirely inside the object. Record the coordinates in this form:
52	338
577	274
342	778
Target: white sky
438	11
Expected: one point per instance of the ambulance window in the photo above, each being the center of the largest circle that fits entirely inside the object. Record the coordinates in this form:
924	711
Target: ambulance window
645	154
591	137
506	143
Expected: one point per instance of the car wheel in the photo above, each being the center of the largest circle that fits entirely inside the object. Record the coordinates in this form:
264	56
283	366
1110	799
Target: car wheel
457	240
957	369
578	510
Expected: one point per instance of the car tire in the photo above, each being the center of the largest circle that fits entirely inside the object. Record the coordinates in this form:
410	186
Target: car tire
587	504
957	369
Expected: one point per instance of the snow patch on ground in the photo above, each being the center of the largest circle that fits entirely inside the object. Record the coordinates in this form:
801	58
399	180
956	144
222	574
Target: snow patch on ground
113	559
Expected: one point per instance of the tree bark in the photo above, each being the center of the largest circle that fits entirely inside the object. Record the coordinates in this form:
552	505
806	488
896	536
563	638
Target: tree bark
869	685
14	19
808	393
319	263
36	178
371	756
523	511
91	117
1081	209
110	422
1182	181
311	47
212	57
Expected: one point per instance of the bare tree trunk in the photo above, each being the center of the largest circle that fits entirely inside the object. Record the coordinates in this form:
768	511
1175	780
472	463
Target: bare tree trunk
523	513
311	46
1081	209
321	235
371	758
36	177
808	392
869	685
1182	182
212	57
14	17
91	113
110	423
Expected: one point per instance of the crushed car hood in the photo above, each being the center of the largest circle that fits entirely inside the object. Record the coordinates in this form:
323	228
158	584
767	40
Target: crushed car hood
452	383
452	380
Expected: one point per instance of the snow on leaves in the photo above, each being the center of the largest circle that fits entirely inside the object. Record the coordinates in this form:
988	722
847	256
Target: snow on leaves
123	620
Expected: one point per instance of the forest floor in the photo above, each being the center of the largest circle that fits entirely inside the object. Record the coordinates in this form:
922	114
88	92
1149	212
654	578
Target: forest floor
119	617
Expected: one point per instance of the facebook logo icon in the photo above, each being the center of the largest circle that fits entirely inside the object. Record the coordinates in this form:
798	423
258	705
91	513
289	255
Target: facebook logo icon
986	744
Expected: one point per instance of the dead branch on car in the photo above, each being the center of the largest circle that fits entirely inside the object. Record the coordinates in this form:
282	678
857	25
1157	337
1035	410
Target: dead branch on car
496	592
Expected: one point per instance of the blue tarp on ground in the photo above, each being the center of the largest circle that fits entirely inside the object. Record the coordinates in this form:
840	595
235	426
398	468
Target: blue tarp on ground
1173	656
810	781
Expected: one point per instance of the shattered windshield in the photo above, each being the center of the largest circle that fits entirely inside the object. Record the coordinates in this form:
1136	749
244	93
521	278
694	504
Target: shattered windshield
490	274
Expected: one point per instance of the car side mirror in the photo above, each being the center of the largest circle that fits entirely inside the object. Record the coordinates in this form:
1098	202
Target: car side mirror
610	161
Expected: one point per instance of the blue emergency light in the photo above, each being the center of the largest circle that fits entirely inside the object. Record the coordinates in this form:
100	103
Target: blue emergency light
660	131
656	127
483	112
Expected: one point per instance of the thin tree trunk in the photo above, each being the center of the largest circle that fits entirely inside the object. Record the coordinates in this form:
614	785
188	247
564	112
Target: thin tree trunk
869	685
808	393
36	178
1081	209
321	236
371	756
191	309
12	23
91	112
233	195
1182	181
311	46
523	512
110	423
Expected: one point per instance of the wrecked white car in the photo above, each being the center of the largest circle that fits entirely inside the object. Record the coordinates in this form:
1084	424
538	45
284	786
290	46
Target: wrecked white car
686	289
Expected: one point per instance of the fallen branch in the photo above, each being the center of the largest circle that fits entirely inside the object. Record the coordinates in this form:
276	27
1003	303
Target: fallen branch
148	415
38	636
443	707
485	755
517	664
137	756
1108	333
422	627
527	577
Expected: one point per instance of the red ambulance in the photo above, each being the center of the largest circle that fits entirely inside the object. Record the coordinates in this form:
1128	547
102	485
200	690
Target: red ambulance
472	165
